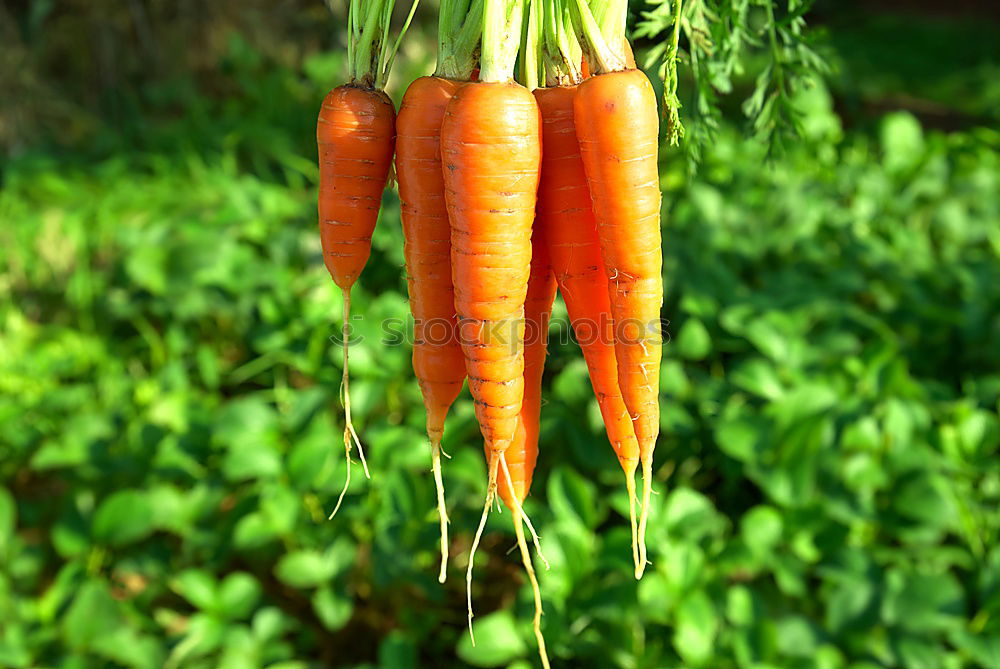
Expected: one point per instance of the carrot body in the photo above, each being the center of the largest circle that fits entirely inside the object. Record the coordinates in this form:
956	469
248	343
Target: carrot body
491	156
438	362
523	451
566	215
355	133
617	125
437	356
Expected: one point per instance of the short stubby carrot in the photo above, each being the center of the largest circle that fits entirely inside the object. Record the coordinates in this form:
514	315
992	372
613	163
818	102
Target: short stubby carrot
355	135
566	217
438	361
617	126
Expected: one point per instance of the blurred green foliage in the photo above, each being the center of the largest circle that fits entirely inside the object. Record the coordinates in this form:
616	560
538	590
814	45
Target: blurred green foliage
170	445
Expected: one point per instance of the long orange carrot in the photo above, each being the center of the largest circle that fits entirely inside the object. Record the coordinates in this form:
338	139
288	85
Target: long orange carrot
566	216
491	153
618	126
438	361
437	356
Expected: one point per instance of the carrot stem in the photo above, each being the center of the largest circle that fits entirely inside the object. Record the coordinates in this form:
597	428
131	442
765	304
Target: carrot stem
459	33
501	39
536	591
601	56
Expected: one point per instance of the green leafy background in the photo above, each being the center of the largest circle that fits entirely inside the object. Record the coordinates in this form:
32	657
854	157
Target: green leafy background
827	477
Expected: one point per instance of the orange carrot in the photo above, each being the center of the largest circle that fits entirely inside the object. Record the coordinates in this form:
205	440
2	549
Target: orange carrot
566	216
438	361
491	166
355	135
491	153
617	125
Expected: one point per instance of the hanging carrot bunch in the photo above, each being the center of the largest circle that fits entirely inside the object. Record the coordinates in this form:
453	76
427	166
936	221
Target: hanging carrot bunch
494	226
355	134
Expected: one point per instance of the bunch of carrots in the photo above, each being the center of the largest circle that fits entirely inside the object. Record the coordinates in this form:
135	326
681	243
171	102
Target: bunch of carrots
512	187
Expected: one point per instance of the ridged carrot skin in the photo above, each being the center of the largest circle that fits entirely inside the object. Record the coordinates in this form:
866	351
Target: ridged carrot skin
522	454
438	361
355	133
617	125
567	218
491	156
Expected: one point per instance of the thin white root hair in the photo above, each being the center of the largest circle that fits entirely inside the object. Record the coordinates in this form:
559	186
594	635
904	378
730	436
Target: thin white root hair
347	480
630	486
491	488
536	591
442	509
647	488
520	511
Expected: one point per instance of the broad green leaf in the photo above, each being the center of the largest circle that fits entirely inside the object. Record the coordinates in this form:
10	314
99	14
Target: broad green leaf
397	651
333	609
902	141
123	518
761	528
497	641
197	586
924	602
696	627
759	377
693	341
237	595
573	497
8	521
92	615
305	569
740	608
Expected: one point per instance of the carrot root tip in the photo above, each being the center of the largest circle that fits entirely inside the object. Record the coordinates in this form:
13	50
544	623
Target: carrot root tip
647	488
630	486
490	495
347	480
521	514
442	509
536	590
